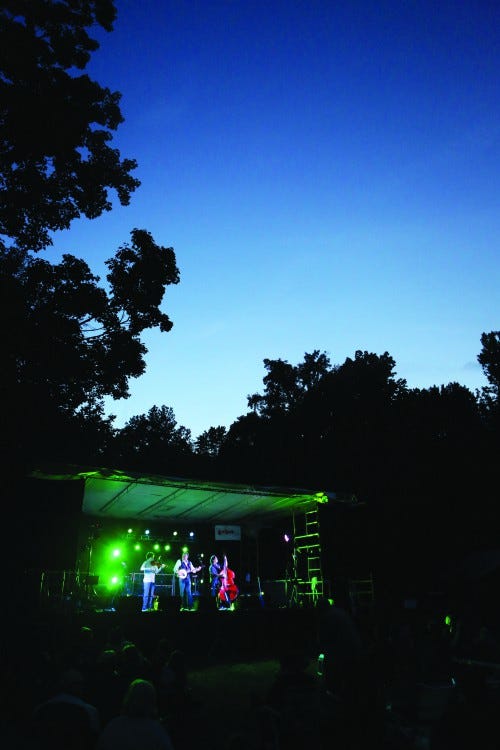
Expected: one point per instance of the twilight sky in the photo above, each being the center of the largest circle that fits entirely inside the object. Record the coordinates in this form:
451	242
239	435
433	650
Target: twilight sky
328	175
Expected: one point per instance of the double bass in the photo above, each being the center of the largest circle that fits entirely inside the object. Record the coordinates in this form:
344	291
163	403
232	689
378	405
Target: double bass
228	590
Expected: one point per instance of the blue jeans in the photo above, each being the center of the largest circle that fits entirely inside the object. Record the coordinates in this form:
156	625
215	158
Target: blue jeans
148	595
215	586
185	592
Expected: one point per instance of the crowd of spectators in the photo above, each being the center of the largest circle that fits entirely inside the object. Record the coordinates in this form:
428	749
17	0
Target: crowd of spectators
427	683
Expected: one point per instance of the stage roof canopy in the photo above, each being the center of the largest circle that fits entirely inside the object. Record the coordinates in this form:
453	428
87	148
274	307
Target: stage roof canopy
116	494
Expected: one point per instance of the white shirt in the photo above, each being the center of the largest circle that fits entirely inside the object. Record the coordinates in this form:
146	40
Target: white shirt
149	571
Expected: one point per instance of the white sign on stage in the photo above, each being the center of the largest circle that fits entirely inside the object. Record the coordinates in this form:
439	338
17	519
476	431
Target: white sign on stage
231	533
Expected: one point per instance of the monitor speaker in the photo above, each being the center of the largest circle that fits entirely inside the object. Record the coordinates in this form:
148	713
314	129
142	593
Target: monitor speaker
129	604
249	602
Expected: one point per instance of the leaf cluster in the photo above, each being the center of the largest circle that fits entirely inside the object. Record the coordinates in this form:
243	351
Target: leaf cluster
56	124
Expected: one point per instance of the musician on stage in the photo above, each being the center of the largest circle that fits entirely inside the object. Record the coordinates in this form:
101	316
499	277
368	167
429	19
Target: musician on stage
228	590
184	569
150	567
216	575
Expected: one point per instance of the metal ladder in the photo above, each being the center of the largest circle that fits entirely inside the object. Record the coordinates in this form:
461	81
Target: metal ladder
310	585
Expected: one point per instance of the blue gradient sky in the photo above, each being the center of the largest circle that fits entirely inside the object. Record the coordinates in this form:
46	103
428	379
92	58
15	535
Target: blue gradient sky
328	175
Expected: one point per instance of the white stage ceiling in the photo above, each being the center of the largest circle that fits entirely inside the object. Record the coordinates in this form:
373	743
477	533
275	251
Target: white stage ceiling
118	494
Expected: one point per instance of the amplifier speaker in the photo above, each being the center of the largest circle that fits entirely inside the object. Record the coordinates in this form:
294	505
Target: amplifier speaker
249	602
129	604
275	593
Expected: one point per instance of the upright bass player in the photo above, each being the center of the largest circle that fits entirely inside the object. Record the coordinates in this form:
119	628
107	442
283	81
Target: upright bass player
228	591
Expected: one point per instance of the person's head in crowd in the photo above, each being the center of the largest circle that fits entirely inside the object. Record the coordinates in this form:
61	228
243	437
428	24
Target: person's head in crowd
141	700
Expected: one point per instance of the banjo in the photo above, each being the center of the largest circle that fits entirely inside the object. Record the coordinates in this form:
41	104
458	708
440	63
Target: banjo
182	572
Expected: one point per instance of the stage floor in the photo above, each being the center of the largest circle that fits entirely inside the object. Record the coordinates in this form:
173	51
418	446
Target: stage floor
251	631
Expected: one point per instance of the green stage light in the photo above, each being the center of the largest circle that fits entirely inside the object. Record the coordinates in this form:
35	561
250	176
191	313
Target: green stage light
167	548
116	553
156	547
185	550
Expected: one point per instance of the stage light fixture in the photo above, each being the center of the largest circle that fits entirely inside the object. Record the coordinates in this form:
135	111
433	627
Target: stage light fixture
116	553
321	497
167	548
175	533
147	532
137	547
156	546
129	531
286	537
185	550
191	534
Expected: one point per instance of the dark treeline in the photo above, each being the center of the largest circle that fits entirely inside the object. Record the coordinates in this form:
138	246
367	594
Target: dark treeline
69	340
426	460
353	427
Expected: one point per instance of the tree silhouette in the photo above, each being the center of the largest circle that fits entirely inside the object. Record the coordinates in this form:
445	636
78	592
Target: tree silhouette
154	442
489	359
56	161
285	384
209	443
67	341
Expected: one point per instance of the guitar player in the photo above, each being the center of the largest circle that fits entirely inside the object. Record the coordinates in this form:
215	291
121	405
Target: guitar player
184	569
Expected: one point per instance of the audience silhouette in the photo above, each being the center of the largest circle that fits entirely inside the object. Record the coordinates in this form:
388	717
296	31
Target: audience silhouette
389	684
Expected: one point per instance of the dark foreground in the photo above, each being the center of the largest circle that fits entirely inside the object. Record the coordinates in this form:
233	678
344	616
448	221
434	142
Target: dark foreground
248	680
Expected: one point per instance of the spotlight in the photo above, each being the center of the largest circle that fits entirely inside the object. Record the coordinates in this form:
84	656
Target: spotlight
147	532
175	533
191	534
167	548
286	537
129	531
